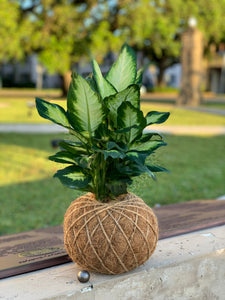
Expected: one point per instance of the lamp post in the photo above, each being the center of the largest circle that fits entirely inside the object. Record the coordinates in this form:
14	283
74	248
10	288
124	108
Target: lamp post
192	22
191	60
222	76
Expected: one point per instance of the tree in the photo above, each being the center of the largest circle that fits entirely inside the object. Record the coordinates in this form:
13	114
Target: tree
58	33
155	27
10	32
62	32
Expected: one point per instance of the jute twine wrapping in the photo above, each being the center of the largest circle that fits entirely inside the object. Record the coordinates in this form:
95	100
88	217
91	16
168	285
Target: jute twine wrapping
110	238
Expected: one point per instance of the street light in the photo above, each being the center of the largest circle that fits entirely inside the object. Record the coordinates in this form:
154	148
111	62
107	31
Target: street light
192	22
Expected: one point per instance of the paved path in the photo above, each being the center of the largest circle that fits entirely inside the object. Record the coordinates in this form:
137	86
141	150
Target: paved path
188	130
170	129
32	128
214	111
173	129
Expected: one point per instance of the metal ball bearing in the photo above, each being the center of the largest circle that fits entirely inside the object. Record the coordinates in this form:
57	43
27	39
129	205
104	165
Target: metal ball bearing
83	276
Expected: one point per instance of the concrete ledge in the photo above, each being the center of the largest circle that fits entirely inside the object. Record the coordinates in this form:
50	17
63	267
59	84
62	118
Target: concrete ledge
190	266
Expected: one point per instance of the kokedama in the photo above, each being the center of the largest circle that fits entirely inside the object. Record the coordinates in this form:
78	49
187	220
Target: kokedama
107	230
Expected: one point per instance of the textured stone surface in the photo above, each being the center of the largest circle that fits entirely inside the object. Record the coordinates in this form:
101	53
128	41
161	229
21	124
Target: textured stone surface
190	266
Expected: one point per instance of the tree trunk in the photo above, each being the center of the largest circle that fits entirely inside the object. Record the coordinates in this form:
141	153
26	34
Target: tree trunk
162	67
191	60
161	76
1	84
40	72
66	79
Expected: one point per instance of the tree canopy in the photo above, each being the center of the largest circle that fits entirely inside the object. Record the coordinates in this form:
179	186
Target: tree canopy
57	32
155	27
10	33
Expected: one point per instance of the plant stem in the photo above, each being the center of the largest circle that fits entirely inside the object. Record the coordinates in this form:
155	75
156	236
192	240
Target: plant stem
99	178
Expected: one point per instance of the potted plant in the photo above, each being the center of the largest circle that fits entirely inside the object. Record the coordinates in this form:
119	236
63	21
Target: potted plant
108	229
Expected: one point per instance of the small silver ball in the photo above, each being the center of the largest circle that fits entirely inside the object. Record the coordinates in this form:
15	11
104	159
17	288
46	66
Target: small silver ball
83	276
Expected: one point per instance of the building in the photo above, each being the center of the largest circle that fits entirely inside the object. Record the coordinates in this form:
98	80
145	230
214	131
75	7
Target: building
28	74
31	74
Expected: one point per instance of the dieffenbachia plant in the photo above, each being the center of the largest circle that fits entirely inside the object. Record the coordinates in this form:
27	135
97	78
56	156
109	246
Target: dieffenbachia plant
108	147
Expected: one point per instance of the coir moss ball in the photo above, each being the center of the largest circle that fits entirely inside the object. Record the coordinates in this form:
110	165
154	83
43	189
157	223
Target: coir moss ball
110	238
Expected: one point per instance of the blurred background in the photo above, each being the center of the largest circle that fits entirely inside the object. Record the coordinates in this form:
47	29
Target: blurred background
42	41
180	44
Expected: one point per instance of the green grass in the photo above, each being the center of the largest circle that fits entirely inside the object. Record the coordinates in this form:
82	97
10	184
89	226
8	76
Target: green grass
21	110
30	198
180	116
21	92
163	89
214	105
17	111
197	171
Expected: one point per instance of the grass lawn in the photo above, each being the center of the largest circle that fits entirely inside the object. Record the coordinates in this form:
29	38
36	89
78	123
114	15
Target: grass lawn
19	111
215	105
179	116
30	198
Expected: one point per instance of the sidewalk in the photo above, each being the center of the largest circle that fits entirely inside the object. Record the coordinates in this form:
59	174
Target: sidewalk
31	128
172	129
187	130
216	111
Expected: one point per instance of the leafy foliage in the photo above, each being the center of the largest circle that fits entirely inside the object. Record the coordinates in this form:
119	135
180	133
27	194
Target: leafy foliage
10	33
85	110
52	112
123	71
49	34
155	27
103	115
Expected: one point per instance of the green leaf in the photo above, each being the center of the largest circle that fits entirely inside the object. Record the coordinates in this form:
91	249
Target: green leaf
140	73
113	153
129	116
83	161
148	146
155	117
91	81
147	136
52	112
105	89
123	71
110	153
135	169
139	76
119	146
79	137
74	147
102	133
117	187
156	168
130	94
148	171
73	177
131	169
85	109
64	157
136	156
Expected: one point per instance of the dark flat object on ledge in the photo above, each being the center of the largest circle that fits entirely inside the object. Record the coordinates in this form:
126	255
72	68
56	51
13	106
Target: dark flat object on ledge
38	249
180	218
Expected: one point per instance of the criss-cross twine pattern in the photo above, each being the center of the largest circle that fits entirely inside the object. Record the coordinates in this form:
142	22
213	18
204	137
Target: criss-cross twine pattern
110	238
